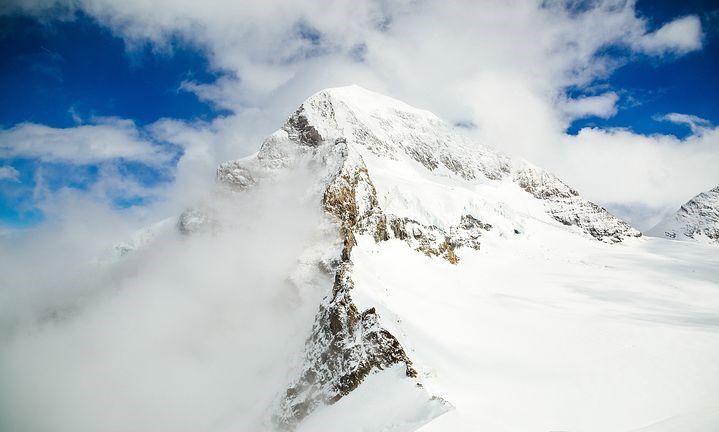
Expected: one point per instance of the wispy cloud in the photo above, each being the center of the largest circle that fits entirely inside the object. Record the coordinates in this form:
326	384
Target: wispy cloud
695	123
7	172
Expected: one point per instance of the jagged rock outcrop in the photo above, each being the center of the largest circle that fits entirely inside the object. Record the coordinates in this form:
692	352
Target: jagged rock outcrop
345	346
696	220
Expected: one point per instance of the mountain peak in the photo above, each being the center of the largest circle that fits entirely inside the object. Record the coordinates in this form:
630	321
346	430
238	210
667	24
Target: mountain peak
696	220
419	166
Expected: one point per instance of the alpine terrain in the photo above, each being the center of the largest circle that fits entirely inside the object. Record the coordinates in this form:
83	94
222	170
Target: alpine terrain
471	284
401	277
696	220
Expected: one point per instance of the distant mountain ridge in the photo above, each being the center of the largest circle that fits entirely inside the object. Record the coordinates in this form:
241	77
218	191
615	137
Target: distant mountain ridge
696	220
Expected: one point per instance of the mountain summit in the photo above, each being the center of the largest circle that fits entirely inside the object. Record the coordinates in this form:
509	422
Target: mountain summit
403	163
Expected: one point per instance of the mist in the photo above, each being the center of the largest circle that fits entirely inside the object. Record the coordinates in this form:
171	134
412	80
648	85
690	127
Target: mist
185	333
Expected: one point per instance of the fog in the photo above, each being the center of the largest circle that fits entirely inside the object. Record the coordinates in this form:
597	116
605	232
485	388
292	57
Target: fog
187	333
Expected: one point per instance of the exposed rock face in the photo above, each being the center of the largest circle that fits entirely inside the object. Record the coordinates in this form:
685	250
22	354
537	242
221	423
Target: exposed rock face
696	220
299	129
345	346
434	241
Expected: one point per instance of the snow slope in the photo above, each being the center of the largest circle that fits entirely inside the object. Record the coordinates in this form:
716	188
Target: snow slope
696	220
554	333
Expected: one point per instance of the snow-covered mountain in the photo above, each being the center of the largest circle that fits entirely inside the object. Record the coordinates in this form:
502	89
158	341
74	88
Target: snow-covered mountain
415	280
696	220
406	193
397	173
402	165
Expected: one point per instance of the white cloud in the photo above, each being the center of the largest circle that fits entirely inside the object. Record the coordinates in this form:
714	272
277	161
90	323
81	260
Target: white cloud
206	325
7	172
109	139
695	123
624	169
680	36
603	106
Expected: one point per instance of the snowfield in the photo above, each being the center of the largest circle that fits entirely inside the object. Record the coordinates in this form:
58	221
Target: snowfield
369	269
556	334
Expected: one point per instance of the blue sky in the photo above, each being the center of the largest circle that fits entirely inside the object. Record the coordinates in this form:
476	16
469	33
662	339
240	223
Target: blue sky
649	86
65	73
61	70
82	74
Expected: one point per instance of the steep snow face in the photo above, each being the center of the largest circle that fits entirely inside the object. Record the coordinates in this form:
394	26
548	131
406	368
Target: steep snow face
697	220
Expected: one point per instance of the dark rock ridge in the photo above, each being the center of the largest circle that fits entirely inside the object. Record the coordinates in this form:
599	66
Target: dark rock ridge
299	129
345	346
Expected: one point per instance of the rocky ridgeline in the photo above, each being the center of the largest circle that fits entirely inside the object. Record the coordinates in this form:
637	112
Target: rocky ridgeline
345	346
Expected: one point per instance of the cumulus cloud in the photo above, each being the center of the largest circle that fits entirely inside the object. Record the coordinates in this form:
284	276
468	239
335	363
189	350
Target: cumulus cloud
679	36
502	66
505	67
9	173
108	139
643	176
